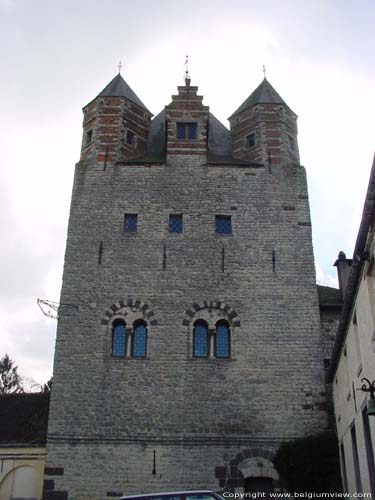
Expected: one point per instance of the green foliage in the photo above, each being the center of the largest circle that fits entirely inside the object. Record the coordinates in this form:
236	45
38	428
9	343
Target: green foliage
310	464
48	385
10	381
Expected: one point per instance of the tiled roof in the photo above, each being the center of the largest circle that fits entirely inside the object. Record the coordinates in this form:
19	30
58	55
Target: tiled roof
119	88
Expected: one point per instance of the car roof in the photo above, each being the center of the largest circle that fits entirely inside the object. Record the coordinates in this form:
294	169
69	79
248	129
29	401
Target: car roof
169	493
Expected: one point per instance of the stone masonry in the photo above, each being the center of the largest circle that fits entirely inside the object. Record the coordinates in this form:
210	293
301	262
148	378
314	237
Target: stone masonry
170	420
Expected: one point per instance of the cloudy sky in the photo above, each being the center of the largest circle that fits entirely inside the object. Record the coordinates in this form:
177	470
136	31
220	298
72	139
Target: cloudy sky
55	56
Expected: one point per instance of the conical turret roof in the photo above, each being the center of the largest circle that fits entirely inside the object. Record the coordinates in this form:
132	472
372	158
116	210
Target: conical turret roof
119	88
263	94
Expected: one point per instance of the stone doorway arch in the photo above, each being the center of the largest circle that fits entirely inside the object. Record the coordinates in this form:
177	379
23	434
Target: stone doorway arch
252	470
259	475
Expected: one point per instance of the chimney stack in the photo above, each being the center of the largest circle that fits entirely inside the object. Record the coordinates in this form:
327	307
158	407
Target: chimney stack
344	267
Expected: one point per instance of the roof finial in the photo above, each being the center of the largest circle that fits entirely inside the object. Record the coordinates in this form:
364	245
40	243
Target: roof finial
187	74
264	72
119	67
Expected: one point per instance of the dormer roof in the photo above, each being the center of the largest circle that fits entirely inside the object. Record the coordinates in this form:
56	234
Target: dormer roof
263	94
119	88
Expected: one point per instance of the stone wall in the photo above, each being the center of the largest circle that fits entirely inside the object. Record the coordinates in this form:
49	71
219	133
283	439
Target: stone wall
108	414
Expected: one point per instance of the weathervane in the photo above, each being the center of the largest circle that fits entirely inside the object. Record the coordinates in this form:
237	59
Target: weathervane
187	74
119	66
264	71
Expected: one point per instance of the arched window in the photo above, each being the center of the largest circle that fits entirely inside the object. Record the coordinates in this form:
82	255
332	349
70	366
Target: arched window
200	339
139	340
222	340
118	338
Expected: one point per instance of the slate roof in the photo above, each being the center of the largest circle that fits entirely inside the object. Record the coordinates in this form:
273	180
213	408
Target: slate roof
24	418
219	140
329	297
119	88
264	93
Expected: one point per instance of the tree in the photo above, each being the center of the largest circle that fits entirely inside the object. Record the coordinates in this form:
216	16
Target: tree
310	464
10	381
48	385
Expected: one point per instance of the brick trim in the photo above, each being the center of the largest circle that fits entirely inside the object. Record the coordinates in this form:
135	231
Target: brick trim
129	302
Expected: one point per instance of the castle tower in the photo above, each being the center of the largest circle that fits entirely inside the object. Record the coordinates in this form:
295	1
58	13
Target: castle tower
193	349
187	123
116	124
264	128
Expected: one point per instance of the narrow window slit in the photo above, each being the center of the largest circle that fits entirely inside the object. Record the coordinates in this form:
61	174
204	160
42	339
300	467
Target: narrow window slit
105	158
100	252
165	256
222	260
273	260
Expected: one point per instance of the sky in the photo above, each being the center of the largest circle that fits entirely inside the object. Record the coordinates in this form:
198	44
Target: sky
56	56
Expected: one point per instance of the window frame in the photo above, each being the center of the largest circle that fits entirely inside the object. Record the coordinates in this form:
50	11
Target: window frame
182	223
226	324
250	143
186	127
118	322
130	138
201	322
128	216
137	323
292	142
223	217
88	138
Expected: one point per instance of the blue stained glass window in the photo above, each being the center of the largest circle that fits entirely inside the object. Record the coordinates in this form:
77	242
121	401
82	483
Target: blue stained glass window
180	130
187	130
192	128
175	223
119	339
222	341
223	224
130	223
139	340
200	340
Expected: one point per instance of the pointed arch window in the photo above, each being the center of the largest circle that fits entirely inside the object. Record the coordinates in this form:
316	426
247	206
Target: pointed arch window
200	339
222	340
119	338
139	340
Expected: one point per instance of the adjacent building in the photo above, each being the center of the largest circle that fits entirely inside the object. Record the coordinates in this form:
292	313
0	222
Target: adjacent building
23	431
353	358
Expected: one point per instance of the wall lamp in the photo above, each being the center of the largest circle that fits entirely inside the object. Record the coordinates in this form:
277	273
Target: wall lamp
368	386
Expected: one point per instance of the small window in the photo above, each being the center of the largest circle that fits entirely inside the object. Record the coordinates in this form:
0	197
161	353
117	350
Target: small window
200	340
130	223
187	131
223	224
88	139
139	340
222	340
292	143
130	138
118	339
250	140
175	223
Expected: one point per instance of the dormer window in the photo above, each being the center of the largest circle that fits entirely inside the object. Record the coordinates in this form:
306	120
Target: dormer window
187	131
130	138
250	140
88	138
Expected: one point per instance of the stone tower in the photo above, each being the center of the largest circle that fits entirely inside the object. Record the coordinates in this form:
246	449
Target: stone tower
194	348
264	128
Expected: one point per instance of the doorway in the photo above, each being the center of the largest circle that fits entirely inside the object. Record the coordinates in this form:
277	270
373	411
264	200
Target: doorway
258	485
